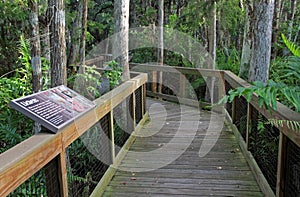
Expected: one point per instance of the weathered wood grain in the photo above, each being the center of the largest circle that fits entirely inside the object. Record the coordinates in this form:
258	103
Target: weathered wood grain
222	172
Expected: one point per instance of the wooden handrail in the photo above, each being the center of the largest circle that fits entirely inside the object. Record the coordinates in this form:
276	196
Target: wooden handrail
282	112
26	158
23	160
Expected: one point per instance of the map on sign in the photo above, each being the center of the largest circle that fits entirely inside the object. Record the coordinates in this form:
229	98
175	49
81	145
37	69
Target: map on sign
53	108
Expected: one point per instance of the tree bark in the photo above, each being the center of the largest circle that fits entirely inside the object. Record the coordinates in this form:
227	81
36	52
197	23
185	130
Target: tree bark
121	30
261	31
276	22
75	38
291	18
58	43
212	46
160	41
83	36
35	54
246	51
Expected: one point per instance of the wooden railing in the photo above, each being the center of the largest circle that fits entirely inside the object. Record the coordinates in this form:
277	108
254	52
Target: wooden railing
279	145
279	176
21	162
286	140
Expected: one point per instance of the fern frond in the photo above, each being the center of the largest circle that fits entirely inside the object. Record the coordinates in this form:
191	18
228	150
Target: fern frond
291	124
295	50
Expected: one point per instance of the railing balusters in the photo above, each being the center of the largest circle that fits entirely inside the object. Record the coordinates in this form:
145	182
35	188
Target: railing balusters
248	126
112	136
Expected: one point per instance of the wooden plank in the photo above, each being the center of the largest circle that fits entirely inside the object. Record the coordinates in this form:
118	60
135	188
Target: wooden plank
105	180
176	69
260	178
223	171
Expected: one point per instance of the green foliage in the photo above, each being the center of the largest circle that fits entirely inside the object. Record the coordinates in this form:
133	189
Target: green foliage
228	59
14	127
294	49
94	80
113	73
14	23
294	125
268	94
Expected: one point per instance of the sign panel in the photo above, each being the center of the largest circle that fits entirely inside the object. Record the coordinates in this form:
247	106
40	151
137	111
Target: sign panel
53	108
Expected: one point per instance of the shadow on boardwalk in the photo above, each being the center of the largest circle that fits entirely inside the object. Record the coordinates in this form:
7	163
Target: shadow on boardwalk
164	160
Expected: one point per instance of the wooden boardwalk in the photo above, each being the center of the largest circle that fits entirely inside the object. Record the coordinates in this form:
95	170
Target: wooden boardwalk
165	161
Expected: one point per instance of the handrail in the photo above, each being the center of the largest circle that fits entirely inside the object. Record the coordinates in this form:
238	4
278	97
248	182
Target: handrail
25	159
282	112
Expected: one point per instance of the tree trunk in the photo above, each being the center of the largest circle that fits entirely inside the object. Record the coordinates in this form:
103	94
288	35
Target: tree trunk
246	51
261	31
35	54
83	36
160	41
121	30
291	18
75	38
212	46
58	43
276	22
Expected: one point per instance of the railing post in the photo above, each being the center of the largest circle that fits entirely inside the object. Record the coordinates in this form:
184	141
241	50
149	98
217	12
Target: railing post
182	85
112	135
62	176
280	167
248	125
154	81
144	99
233	116
133	110
160	81
56	176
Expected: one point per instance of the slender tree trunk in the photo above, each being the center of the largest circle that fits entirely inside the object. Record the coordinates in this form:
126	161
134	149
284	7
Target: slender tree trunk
212	46
276	22
297	34
246	51
160	41
291	18
133	13
35	54
83	36
75	38
261	31
121	30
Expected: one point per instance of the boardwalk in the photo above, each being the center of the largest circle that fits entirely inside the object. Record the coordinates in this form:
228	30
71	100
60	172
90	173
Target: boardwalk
165	161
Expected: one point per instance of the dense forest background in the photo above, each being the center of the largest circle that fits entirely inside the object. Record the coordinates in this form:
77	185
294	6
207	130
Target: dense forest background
224	28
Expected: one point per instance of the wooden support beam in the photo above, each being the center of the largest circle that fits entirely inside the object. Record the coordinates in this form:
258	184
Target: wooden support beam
248	125
112	136
182	86
62	173
281	166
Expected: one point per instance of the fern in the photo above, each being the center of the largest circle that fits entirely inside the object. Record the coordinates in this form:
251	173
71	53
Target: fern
291	124
295	50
